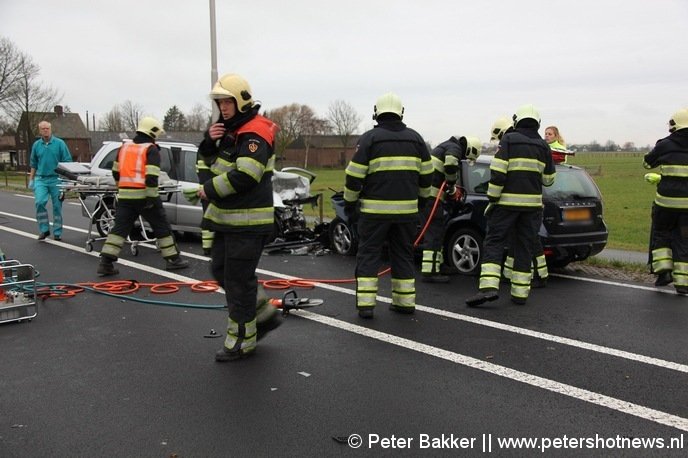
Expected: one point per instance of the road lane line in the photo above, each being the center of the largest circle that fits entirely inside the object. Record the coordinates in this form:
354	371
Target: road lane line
619	405
658	362
609	402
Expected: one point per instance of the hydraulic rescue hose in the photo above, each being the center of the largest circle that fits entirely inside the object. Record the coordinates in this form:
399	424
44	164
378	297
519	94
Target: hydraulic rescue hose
119	288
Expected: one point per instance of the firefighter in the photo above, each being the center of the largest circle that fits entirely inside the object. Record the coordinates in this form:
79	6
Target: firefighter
446	160
239	149
390	176
136	171
669	244
540	271
521	166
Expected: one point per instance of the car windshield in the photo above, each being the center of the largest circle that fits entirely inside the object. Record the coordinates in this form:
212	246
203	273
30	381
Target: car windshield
569	183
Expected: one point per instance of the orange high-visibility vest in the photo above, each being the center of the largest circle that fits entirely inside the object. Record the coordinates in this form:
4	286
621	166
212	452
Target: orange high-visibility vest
132	165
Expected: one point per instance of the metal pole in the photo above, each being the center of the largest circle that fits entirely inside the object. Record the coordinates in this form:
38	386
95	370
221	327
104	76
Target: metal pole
213	58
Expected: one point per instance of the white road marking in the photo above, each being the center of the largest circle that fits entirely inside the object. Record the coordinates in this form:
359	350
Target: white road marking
530	379
619	405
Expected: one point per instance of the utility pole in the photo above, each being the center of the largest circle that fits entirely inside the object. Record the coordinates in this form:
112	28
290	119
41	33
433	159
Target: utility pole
213	58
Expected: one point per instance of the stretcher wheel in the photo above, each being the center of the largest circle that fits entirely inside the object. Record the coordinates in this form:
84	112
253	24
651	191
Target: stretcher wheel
89	247
134	250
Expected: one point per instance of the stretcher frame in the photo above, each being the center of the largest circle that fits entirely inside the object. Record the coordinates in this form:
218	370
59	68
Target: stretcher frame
17	292
105	192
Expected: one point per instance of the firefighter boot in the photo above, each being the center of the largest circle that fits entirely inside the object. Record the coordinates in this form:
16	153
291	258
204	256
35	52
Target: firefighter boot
434	278
538	282
106	267
482	297
664	278
366	312
240	341
176	263
267	315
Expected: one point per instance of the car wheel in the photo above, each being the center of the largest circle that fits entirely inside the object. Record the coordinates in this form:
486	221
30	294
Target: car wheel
464	251
104	221
342	237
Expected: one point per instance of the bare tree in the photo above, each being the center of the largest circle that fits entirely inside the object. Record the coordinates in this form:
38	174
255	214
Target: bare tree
344	120
131	114
10	68
198	119
294	121
31	97
113	121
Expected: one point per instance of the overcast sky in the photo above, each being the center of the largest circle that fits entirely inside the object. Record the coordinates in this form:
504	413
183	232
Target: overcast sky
598	69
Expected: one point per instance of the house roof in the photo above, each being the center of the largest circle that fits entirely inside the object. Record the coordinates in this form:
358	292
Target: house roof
66	125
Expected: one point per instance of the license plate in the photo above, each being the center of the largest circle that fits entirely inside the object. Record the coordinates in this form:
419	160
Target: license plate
576	214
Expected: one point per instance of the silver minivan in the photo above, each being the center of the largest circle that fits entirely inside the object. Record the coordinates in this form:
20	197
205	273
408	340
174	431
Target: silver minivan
178	161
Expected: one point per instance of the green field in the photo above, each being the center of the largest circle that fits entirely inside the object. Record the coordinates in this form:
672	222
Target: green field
627	197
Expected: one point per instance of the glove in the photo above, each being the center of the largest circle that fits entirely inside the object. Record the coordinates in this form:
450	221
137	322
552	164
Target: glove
489	209
150	202
653	178
31	184
350	211
453	193
191	194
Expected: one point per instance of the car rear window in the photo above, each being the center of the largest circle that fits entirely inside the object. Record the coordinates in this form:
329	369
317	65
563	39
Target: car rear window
569	183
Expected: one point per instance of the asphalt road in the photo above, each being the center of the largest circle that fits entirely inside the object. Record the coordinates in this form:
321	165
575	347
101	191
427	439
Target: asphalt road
589	367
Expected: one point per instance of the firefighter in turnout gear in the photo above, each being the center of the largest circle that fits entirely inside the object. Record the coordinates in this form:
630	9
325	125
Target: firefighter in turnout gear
522	165
669	244
136	171
446	161
239	149
390	176
540	271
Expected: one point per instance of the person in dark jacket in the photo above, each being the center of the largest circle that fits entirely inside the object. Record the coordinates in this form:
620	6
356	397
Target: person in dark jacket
239	151
136	170
521	166
446	161
390	176
669	244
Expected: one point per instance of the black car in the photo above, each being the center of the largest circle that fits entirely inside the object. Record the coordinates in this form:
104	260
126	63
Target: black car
572	228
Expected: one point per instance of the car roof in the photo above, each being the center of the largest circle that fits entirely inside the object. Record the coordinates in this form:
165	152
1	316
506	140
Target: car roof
168	143
487	159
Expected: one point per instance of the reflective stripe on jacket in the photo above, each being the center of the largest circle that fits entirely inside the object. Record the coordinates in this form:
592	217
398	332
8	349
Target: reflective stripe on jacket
670	154
522	165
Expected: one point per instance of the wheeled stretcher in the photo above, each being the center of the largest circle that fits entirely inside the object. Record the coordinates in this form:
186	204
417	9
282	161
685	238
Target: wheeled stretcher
97	196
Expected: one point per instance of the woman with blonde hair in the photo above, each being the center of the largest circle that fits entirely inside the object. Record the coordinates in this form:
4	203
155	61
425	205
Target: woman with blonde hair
556	144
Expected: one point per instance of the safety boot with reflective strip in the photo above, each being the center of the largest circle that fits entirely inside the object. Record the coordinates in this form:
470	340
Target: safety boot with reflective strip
239	343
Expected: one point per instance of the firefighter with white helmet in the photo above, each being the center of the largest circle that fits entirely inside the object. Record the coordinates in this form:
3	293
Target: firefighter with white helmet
239	151
521	166
136	171
446	161
390	176
540	271
669	244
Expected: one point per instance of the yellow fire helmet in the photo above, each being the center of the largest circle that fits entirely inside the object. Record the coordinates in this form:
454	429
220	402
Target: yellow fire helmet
151	127
679	120
526	112
235	87
499	127
388	103
473	147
